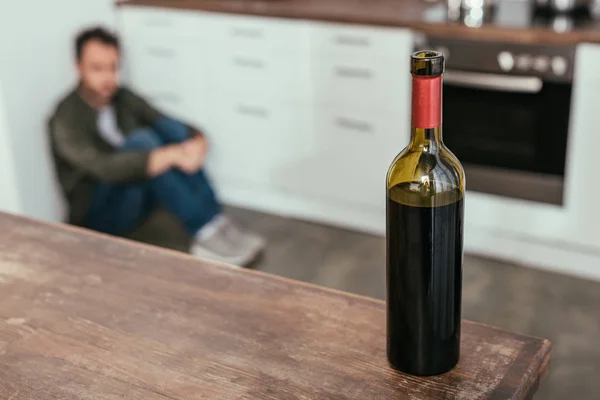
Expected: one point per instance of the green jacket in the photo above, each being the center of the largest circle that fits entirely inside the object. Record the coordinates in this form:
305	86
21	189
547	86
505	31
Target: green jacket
83	158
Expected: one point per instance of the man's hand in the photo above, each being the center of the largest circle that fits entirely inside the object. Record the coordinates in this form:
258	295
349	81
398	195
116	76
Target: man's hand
187	156
163	159
193	154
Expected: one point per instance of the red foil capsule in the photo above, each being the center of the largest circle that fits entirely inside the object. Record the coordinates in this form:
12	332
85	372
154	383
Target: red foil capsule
426	101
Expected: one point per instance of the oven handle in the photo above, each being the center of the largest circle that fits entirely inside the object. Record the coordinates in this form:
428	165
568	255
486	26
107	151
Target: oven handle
505	83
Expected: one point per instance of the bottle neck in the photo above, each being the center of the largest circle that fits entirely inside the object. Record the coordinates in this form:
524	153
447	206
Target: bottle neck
426	129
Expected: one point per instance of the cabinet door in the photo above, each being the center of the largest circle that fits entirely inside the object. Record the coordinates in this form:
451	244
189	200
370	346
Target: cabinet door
254	141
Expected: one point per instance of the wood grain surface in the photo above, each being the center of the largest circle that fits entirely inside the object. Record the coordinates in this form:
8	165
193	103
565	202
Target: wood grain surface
391	13
86	316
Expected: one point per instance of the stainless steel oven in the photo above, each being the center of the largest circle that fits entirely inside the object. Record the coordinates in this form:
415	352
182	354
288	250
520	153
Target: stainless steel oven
506	115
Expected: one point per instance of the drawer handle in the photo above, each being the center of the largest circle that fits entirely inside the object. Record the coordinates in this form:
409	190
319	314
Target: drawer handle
161	52
254	111
357	41
159	22
250	33
249	63
354	124
349	72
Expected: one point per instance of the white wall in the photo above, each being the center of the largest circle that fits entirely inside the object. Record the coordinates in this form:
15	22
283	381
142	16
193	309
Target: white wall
36	69
9	193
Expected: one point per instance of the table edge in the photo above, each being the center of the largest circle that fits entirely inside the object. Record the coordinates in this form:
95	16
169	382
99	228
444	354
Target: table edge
264	275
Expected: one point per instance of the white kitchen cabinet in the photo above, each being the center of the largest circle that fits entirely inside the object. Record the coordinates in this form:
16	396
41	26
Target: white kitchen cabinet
303	118
361	95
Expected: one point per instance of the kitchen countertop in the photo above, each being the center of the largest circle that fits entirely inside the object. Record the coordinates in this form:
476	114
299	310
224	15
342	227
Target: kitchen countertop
84	315
422	16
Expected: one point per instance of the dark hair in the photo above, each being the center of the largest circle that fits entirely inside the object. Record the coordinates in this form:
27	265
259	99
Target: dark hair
97	33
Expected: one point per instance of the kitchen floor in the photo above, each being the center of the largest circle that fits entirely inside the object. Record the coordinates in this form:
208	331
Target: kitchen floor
563	309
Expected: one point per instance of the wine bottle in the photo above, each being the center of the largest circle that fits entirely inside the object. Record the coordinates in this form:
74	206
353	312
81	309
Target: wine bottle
425	195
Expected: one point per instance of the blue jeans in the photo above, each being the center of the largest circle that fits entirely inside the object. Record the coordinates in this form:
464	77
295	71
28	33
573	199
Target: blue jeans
117	209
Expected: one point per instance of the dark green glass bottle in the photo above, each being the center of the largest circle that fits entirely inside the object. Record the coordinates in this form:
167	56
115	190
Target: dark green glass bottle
425	201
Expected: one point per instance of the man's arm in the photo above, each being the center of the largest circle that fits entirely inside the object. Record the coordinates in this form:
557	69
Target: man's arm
106	166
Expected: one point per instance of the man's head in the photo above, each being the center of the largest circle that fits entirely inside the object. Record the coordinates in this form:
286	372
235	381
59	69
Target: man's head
97	53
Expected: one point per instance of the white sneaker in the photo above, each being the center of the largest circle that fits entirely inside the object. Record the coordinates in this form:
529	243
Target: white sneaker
219	246
249	241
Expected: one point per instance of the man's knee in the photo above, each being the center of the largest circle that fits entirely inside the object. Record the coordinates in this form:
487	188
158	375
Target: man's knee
144	139
171	130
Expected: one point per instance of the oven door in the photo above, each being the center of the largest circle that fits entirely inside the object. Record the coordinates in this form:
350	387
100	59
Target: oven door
510	132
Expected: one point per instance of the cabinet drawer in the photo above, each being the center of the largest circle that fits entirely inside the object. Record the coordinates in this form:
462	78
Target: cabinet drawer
369	83
353	150
156	65
340	124
257	36
347	41
253	141
195	111
168	102
147	22
263	76
162	66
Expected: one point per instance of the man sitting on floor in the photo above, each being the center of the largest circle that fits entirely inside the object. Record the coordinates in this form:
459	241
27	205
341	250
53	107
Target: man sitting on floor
118	159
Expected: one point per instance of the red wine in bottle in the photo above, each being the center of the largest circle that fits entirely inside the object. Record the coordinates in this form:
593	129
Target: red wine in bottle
425	192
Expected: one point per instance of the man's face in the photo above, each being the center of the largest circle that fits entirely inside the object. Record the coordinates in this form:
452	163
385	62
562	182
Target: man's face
98	69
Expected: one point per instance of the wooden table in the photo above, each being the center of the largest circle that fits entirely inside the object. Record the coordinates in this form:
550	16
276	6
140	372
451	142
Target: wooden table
85	316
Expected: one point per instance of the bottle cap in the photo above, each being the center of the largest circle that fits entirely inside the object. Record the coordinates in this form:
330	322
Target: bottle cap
427	63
